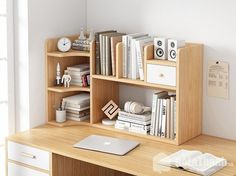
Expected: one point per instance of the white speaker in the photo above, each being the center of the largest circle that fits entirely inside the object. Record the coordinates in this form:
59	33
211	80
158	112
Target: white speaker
173	46
160	48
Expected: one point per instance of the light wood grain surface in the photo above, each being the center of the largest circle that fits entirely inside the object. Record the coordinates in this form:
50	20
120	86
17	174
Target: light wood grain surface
138	162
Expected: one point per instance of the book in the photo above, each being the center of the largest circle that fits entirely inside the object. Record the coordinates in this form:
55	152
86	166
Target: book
131	120
78	68
140	55
78	74
97	50
78	99
114	41
69	104
108	56
125	59
157	123
163	116
155	97
77	109
78	112
172	116
142	117
195	161
77	119
168	118
133	57
76	115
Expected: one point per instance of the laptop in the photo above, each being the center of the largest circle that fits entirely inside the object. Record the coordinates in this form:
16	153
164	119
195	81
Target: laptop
107	144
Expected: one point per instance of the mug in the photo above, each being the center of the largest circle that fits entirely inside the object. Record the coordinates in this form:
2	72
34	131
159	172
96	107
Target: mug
60	116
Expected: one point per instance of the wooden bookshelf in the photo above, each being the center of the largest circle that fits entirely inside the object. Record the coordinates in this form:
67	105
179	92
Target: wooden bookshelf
188	89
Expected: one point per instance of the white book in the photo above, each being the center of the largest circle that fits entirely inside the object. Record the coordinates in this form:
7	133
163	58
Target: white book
78	99
129	65
156	133
168	118
140	55
78	68
159	130
133	57
194	161
139	127
101	53
163	124
77	119
104	54
69	104
123	124
141	117
139	131
77	109
175	121
125	51
172	116
154	110
131	120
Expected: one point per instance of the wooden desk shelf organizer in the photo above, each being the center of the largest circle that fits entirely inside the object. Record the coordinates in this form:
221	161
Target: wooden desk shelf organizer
188	89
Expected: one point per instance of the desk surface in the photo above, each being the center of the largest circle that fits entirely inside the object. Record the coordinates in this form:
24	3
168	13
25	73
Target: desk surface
141	161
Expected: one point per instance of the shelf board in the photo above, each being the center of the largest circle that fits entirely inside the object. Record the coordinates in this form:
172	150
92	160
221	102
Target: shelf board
71	53
68	89
161	62
134	82
69	123
112	128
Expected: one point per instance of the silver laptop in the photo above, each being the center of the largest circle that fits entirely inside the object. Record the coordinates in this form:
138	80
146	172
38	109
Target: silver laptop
107	144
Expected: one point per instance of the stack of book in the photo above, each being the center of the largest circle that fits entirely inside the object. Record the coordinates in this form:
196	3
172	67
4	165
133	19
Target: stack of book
77	107
133	55
163	119
137	123
80	75
106	51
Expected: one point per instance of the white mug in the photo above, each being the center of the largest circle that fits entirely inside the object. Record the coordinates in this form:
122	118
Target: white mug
60	116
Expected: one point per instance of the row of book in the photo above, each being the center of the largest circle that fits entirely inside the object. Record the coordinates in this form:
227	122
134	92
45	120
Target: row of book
133	54
77	106
137	123
163	119
106	51
80	75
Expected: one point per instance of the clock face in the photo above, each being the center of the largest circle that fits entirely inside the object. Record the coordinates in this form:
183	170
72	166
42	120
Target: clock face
64	44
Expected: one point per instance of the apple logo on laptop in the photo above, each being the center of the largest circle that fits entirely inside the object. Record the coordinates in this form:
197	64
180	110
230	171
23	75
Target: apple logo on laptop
107	143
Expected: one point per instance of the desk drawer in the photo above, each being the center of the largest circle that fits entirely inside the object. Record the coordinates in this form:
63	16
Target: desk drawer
159	74
16	170
28	155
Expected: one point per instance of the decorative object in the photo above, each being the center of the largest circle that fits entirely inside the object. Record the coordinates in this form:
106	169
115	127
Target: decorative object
64	44
83	43
60	116
66	78
111	110
58	77
135	107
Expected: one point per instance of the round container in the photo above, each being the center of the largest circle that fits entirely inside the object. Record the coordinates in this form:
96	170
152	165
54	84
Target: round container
60	116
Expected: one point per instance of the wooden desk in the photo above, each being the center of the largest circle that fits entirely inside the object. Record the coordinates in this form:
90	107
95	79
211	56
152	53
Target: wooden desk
67	161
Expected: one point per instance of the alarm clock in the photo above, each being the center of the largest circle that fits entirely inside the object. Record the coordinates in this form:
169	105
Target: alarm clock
64	44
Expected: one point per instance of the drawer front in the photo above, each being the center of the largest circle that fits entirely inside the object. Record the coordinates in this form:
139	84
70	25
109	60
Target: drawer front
28	155
159	74
16	170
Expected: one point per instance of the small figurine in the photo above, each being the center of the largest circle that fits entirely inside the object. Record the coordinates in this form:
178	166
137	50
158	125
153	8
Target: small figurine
66	78
91	36
58	77
82	36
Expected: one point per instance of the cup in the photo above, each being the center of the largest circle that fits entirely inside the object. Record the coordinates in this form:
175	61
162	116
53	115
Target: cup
60	116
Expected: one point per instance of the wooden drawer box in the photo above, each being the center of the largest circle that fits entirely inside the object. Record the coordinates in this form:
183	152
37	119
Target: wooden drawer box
160	74
28	155
17	170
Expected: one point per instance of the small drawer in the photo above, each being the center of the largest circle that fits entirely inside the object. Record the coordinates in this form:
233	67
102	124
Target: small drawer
28	155
17	170
159	74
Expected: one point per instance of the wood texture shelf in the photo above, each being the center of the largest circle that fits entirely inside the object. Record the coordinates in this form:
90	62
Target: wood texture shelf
70	89
134	82
71	53
161	62
68	123
112	128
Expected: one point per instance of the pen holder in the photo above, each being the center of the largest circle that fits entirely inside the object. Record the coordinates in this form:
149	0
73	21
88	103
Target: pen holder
60	116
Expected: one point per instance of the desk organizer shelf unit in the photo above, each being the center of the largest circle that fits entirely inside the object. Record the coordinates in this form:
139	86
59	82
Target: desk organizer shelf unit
188	89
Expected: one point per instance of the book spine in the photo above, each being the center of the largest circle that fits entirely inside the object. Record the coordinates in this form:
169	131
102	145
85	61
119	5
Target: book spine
134	64
160	118
175	124
97	49
139	60
123	124
135	116
104	54
163	125
129	61
140	127
157	117
153	117
113	57
168	118
123	118
125	42
101	53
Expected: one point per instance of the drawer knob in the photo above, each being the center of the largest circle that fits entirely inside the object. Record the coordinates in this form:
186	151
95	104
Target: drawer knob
161	75
27	155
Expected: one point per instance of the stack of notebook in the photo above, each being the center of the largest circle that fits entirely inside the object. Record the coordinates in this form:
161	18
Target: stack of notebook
77	106
80	75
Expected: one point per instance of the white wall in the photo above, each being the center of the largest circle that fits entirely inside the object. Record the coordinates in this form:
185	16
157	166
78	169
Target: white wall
42	19
206	21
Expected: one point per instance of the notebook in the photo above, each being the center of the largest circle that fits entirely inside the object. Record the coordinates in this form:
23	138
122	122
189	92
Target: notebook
194	161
